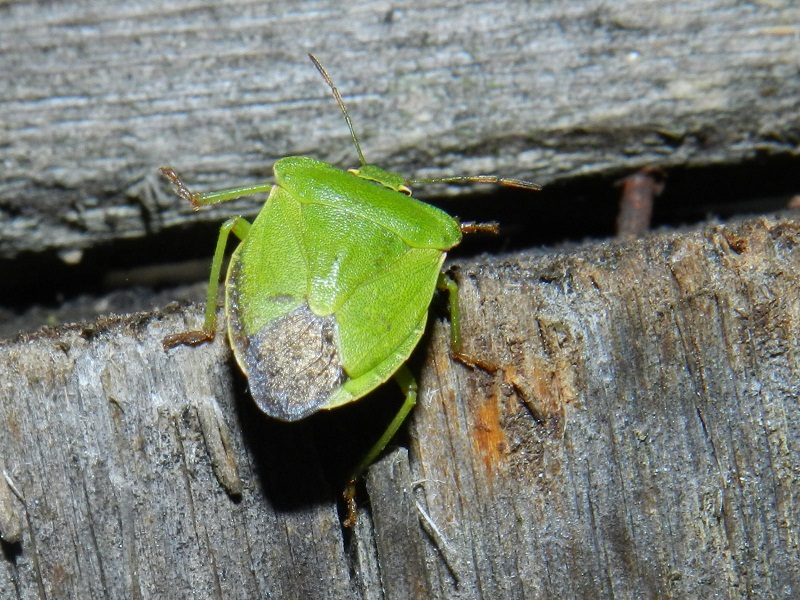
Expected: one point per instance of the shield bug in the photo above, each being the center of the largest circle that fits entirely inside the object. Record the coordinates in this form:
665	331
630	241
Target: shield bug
328	291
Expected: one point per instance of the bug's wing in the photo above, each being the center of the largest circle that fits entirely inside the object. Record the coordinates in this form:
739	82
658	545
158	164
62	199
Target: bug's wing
294	365
383	319
288	353
268	276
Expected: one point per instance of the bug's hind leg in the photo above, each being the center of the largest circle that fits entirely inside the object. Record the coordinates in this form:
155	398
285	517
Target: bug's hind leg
408	385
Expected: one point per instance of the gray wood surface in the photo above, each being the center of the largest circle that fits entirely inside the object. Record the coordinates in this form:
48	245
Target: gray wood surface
641	440
141	478
666	462
641	437
96	95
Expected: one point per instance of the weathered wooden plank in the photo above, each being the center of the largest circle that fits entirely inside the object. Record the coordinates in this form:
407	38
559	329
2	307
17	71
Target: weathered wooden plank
129	490
641	440
399	540
667	376
96	95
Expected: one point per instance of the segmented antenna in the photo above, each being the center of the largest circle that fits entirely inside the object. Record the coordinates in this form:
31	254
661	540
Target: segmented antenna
340	102
517	183
507	181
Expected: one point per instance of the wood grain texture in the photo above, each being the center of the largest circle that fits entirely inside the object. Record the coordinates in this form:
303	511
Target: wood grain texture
116	449
641	437
96	95
665	464
641	440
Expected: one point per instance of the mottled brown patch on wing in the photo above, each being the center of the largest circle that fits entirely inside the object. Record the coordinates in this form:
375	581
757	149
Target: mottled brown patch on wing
293	364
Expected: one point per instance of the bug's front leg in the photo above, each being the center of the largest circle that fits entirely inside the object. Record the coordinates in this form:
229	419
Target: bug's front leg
239	227
198	200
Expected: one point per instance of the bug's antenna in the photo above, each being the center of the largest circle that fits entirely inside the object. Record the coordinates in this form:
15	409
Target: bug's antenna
340	102
507	181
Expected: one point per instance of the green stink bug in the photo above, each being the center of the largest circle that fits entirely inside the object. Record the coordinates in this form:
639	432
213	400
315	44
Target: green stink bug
327	293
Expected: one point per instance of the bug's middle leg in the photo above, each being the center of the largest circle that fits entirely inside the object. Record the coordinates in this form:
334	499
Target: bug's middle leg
510	374
448	284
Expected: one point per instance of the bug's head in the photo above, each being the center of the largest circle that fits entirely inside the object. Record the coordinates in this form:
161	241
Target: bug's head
397	182
393	181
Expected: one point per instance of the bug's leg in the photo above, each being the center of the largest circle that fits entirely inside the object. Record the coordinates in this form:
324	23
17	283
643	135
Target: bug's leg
239	227
408	385
510	374
448	284
492	227
198	200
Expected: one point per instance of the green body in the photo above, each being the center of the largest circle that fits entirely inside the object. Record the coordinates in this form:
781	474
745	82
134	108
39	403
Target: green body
328	292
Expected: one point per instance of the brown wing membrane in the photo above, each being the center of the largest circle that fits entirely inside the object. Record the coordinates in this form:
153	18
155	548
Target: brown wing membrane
293	364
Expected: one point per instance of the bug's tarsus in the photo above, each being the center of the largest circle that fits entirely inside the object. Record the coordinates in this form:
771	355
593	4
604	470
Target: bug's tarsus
492	227
474	362
510	376
183	191
187	338
349	495
340	102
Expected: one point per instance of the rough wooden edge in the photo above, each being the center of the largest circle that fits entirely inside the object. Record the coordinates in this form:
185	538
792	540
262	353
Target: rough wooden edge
613	453
546	92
